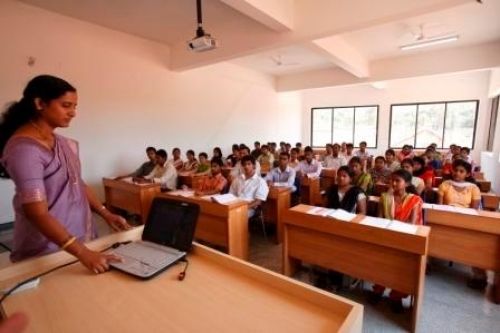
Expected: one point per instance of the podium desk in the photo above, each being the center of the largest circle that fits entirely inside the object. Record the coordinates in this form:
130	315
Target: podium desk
222	225
310	190
277	203
132	197
219	294
391	258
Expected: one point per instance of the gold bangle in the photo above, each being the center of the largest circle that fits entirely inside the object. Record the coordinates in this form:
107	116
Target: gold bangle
68	243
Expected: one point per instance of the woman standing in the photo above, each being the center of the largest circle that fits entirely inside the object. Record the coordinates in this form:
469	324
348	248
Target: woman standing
52	202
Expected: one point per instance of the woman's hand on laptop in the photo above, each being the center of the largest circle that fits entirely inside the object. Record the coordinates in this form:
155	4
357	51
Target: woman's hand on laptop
95	261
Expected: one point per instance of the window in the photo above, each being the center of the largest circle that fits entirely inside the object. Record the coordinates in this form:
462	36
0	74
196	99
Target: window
443	123
344	124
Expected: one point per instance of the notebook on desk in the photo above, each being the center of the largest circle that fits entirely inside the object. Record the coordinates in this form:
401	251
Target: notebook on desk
166	239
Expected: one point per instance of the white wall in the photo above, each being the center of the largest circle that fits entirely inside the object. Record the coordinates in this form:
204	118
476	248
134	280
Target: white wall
128	99
464	86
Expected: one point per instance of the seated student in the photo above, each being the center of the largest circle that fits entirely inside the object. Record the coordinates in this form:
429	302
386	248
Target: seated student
390	160
288	147
406	152
249	186
380	173
204	165
343	148
163	173
465	153
334	160
298	146
283	174
363	154
176	160
309	166
418	183
215	183
257	150
191	164
294	159
437	155
430	157
349	147
282	147
447	169
328	152
421	170
238	168
454	149
146	167
217	153
265	156
402	204
361	178
235	156
352	199
462	192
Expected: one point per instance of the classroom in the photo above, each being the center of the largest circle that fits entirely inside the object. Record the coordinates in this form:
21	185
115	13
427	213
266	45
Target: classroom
337	163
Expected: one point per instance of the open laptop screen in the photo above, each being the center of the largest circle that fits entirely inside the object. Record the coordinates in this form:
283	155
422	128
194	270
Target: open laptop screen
171	223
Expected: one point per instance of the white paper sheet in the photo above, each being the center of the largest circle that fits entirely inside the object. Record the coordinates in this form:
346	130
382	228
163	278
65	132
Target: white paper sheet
402	227
342	215
224	199
375	222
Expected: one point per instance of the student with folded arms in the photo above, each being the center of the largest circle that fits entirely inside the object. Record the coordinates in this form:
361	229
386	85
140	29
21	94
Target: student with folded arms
361	178
405	205
215	183
249	186
191	164
282	174
146	167
164	173
309	166
462	192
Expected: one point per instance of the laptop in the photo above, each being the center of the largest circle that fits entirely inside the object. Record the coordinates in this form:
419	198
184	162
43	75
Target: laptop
166	239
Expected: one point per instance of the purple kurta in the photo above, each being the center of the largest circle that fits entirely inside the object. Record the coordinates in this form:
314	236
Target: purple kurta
51	175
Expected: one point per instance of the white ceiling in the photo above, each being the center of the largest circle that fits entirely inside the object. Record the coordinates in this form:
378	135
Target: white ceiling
293	59
473	22
165	21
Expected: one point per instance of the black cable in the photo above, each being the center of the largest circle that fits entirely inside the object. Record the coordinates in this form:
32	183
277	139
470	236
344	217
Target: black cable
8	249
28	280
182	275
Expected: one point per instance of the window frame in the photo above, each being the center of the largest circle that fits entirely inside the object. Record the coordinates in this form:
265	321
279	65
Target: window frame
444	121
377	106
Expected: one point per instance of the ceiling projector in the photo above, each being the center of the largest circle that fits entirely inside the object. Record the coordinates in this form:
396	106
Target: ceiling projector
202	41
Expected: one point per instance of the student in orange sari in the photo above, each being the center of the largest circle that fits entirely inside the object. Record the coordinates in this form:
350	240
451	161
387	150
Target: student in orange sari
402	204
461	191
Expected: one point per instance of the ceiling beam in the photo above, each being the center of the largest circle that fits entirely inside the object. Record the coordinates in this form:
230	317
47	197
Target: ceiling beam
459	59
274	14
342	54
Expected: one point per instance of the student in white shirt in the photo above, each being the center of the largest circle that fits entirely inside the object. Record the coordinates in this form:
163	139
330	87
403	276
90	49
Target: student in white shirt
238	168
282	174
349	147
334	160
362	153
164	173
309	166
249	186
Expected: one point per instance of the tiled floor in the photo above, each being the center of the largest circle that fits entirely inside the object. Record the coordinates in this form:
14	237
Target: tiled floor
448	306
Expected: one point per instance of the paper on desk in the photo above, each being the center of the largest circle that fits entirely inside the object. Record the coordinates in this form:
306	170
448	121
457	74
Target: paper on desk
224	199
427	206
311	175
377	222
183	193
342	215
467	211
402	227
321	211
280	184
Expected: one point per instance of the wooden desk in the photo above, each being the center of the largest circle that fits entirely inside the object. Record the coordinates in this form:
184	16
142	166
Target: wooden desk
390	258
277	203
469	239
379	188
327	178
484	185
219	294
309	191
222	225
191	180
490	201
133	198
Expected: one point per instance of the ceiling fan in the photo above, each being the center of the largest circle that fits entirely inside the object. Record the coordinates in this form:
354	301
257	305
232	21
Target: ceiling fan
278	61
420	39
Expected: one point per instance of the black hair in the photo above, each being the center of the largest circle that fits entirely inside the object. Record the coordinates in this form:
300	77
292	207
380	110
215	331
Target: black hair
256	143
203	154
335	144
247	158
406	176
44	87
218	150
298	144
176	149
264	147
217	161
465	149
161	153
295	150
235	147
245	148
308	149
284	153
407	161
190	152
241	145
349	145
355	159
346	169
150	149
390	152
421	161
462	163
363	143
380	158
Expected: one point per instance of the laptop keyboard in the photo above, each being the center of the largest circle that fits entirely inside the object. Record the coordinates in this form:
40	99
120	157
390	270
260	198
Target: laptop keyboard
144	258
